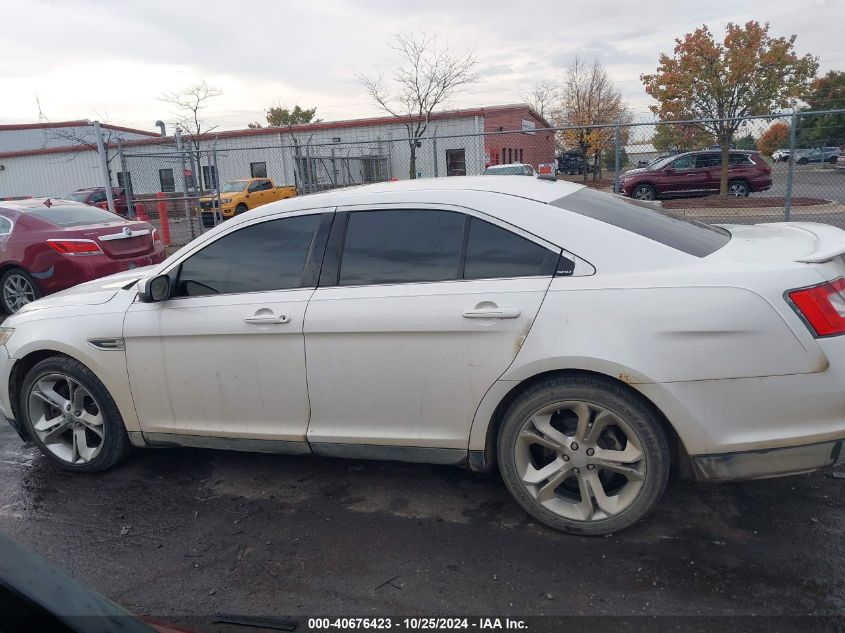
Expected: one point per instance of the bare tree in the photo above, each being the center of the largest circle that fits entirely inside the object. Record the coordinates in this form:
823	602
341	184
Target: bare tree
428	76
543	97
188	105
590	97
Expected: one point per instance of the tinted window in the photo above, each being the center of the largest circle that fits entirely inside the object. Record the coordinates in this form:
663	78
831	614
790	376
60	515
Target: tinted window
684	162
496	252
266	256
693	238
401	246
739	159
67	215
5	226
708	160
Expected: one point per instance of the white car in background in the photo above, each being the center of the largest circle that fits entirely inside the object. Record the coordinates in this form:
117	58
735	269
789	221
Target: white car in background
579	341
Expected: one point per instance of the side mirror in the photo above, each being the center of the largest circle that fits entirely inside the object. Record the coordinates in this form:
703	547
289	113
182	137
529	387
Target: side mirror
154	289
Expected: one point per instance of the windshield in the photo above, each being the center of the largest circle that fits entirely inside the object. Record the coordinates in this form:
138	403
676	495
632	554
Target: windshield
77	196
688	236
73	215
234	186
660	163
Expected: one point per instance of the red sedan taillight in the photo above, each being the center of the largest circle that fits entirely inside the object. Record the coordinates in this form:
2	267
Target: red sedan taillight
75	247
822	306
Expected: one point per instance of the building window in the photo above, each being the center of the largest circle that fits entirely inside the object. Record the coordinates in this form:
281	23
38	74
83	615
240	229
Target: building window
504	155
520	155
165	179
209	177
456	163
124	179
258	170
372	169
510	155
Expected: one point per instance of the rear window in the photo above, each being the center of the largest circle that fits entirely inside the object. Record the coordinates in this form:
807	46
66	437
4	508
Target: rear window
693	238
67	215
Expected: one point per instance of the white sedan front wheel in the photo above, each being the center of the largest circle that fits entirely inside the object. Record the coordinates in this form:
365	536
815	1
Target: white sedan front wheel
72	417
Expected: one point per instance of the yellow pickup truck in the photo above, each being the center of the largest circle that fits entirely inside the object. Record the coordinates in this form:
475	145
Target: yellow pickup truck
237	196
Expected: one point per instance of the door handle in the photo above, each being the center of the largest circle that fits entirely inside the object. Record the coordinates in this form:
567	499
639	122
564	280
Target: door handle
268	319
492	313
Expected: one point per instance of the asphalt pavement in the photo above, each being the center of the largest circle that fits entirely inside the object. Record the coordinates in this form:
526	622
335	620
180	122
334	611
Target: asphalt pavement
186	532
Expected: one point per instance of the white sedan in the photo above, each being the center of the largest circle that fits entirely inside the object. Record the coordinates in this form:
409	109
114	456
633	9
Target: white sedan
582	343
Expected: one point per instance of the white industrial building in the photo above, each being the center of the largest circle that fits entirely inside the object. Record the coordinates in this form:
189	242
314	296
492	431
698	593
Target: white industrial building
52	159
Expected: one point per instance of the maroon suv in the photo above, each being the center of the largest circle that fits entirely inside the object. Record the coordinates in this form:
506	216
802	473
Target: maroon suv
96	196
697	174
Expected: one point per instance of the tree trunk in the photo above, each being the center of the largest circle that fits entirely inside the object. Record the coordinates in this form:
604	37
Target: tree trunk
725	144
412	168
584	162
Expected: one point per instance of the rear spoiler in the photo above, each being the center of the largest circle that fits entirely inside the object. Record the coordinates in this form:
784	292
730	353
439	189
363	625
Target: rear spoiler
830	241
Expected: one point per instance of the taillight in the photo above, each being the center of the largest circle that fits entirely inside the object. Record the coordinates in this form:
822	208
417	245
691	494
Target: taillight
156	236
822	306
75	247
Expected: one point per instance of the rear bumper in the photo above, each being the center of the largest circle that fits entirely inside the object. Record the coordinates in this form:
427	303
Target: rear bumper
771	462
69	272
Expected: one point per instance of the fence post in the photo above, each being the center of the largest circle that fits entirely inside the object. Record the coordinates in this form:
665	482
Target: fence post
190	206
617	159
127	181
434	151
787	203
217	217
104	164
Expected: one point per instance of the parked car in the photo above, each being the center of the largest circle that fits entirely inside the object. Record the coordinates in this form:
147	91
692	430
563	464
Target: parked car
47	246
36	596
96	197
581	352
697	174
238	196
817	155
780	155
572	163
511	169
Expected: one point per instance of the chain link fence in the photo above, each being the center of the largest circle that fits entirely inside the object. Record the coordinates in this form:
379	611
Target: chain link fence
781	167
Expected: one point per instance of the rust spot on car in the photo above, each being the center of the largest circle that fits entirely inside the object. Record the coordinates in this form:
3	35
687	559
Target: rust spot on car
625	377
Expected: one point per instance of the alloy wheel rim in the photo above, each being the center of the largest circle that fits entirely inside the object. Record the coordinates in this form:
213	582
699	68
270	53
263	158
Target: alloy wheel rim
737	190
67	418
17	292
580	460
643	194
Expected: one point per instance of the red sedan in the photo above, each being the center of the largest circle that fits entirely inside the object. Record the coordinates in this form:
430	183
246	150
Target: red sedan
49	245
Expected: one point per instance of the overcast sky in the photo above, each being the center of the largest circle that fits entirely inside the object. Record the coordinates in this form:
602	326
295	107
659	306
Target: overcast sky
110	59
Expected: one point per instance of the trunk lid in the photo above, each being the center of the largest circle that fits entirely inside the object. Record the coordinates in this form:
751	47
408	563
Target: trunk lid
122	240
803	242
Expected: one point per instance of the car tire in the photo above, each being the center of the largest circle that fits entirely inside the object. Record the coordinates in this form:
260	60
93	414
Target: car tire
90	439
803	161
628	430
832	160
739	188
17	288
241	208
644	192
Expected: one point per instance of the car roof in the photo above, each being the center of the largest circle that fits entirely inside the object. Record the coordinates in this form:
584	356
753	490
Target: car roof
539	189
29	204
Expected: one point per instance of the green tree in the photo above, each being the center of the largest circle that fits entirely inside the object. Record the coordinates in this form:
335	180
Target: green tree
746	142
277	116
747	73
680	137
826	93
